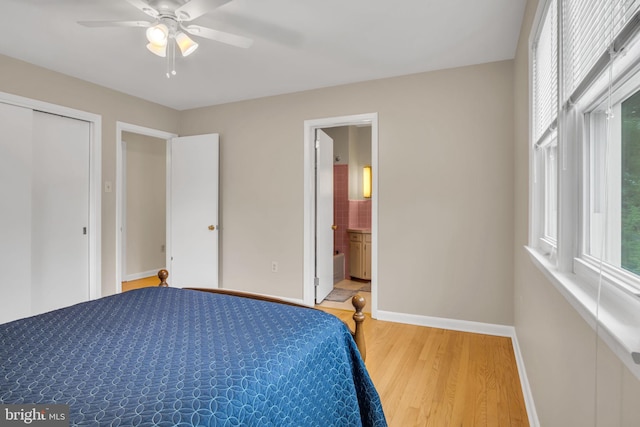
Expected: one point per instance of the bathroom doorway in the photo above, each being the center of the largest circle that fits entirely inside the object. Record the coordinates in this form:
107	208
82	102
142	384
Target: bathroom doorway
351	215
355	216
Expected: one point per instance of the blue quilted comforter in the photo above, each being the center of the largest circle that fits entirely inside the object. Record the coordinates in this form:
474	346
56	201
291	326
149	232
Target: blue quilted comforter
164	356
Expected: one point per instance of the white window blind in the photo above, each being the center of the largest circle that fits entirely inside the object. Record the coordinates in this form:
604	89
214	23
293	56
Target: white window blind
589	28
545	74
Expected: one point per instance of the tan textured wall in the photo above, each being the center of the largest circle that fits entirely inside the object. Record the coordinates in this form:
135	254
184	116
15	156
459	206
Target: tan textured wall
146	203
558	346
445	182
23	79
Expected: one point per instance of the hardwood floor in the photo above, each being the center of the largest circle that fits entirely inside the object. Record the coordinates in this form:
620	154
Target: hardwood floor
147	282
436	377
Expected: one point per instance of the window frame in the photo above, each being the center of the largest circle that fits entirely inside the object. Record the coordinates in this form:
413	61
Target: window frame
545	241
550	169
586	264
544	133
607	298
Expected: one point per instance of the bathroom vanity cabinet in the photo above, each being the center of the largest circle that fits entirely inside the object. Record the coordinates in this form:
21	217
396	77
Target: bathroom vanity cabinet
360	254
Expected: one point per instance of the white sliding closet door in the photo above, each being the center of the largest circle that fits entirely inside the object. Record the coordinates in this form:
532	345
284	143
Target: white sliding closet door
15	212
60	212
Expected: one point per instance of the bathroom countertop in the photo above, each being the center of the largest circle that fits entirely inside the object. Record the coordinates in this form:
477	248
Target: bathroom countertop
359	230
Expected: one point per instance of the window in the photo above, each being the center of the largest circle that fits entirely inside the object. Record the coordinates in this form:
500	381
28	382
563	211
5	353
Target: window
630	183
546	185
545	114
550	167
585	162
612	231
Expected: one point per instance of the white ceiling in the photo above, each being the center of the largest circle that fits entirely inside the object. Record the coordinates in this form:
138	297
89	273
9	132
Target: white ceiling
298	44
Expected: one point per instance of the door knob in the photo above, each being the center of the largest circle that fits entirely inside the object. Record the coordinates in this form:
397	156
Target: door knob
334	227
212	227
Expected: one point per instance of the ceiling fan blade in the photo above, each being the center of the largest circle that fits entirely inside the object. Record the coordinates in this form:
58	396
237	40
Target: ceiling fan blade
195	8
219	36
261	29
97	24
144	7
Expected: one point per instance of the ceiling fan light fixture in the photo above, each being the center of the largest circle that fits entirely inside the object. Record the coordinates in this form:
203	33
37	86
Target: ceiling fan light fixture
158	50
185	43
158	35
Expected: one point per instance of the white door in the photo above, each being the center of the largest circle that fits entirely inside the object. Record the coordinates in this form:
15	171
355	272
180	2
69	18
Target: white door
192	219
60	212
15	207
324	215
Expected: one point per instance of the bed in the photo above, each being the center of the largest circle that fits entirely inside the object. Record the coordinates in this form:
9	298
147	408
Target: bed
167	356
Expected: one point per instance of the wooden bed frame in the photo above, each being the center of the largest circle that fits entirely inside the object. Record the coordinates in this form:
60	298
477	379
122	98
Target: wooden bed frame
358	302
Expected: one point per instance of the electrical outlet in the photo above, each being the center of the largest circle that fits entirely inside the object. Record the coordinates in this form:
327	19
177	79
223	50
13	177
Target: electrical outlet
274	266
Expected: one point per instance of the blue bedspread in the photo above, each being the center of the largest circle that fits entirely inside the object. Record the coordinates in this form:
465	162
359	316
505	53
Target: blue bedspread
164	356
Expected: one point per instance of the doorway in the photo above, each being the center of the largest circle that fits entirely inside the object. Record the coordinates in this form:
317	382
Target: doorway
191	180
351	214
311	247
144	206
126	131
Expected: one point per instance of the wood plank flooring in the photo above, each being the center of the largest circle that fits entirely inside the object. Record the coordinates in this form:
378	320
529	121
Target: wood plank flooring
436	377
147	282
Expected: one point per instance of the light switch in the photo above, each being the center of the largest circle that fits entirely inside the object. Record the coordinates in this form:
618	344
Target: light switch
107	187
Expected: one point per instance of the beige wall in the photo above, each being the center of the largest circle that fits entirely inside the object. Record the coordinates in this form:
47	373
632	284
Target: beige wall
359	157
353	144
558	346
445	182
146	203
340	136
23	79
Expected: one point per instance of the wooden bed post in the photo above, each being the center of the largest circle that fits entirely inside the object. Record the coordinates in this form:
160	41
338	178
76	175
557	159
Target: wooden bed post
359	302
163	275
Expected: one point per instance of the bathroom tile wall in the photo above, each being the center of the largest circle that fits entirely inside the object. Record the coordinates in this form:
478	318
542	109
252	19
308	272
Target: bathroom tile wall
347	213
360	214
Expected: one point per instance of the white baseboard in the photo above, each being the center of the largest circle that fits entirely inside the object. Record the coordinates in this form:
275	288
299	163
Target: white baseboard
452	324
524	382
478	328
142	274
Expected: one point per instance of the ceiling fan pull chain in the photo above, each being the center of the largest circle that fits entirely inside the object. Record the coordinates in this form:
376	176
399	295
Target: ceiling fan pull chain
168	64
171	60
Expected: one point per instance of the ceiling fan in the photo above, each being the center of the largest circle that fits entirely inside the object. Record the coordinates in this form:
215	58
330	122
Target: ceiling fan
171	23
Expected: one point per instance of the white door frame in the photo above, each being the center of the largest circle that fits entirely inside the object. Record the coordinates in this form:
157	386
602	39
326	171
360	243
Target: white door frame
95	179
120	202
123	224
310	126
